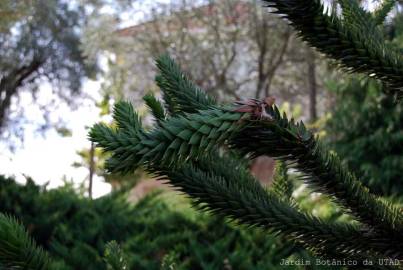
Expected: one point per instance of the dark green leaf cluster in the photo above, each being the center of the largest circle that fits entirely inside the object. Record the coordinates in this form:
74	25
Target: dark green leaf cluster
17	249
353	38
243	199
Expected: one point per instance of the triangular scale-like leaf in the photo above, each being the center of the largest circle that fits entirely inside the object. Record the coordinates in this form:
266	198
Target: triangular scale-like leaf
205	129
166	158
223	136
185	134
173	129
203	142
167	134
149	142
175	144
194	151
213	134
183	150
232	116
144	151
215	122
224	126
158	148
195	125
195	139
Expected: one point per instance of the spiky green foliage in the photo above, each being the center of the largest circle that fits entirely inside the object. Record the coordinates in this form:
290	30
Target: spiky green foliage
178	150
282	186
187	149
188	135
247	202
353	40
114	257
179	92
383	10
194	135
366	128
291	141
355	16
155	106
220	195
278	138
17	249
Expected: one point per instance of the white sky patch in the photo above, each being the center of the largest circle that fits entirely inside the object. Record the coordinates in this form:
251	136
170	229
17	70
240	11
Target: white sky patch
49	158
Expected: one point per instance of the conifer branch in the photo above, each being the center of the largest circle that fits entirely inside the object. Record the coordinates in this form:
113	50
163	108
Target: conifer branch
282	186
289	141
359	48
233	193
350	189
157	109
179	92
178	138
178	150
195	135
383	10
17	249
354	17
244	200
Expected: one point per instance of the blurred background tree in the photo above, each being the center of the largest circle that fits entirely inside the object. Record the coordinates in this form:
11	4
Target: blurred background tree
232	49
12	11
40	45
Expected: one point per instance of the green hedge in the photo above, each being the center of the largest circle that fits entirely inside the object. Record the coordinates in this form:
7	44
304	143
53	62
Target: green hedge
74	230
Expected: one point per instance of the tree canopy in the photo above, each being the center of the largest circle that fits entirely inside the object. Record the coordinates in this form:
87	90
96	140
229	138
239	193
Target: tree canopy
39	46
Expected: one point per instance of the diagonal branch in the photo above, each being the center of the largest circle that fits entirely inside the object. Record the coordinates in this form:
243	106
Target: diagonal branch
358	48
10	83
383	10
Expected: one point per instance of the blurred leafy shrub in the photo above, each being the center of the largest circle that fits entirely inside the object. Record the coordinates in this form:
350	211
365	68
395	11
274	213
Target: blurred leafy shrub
160	230
366	130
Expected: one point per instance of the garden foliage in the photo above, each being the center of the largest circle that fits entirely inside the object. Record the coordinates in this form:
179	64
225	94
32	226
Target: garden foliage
77	232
